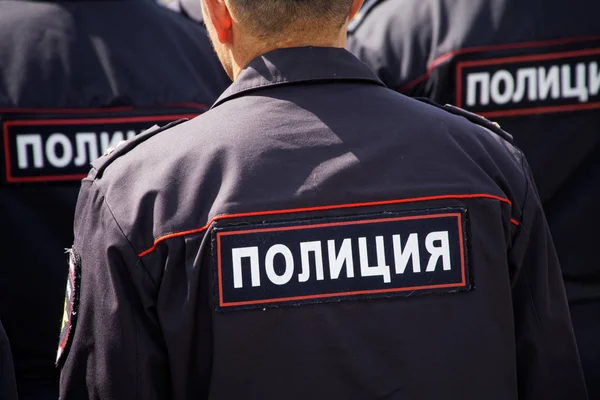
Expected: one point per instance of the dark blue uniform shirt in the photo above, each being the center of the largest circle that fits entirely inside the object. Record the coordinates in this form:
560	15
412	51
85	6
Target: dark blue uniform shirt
317	235
76	77
8	387
534	67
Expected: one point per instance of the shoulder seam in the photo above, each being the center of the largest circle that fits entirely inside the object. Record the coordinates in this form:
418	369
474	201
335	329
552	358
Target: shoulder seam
139	262
471	117
131	144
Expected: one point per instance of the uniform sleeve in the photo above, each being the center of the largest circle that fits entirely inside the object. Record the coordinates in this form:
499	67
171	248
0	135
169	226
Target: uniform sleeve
8	387
115	349
548	361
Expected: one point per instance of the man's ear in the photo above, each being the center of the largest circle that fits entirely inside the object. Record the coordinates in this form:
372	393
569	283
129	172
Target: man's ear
354	9
218	16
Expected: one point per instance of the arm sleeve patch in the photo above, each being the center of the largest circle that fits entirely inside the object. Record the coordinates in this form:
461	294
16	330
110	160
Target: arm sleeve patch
71	305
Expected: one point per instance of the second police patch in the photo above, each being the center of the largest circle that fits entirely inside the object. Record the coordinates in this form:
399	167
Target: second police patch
391	254
70	306
58	145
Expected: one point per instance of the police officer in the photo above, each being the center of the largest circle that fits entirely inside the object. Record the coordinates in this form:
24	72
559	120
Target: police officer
531	66
192	9
8	387
314	235
75	79
189	8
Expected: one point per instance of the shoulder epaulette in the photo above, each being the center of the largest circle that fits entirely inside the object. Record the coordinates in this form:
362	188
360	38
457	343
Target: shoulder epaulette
474	118
367	7
126	146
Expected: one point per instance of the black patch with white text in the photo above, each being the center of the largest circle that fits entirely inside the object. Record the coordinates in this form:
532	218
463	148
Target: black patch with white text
330	259
530	84
71	305
58	146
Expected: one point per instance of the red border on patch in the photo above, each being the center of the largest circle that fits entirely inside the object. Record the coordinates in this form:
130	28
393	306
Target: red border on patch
74	121
101	110
463	283
512	60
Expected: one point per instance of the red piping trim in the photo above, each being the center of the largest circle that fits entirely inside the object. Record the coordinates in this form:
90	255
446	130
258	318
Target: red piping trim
48	178
106	120
101	110
321	208
540	110
6	150
515	222
448	56
461	242
344	223
534	57
64	110
341	294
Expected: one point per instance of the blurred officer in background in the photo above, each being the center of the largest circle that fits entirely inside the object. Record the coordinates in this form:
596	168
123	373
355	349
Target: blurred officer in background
192	9
189	8
8	387
314	235
76	78
534	67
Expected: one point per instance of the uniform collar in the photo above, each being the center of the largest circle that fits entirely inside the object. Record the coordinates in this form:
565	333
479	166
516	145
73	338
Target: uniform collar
298	65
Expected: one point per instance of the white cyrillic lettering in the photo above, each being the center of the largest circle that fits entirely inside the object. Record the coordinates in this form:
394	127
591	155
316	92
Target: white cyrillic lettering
505	96
315	247
411	250
594	79
67	150
526	78
82	139
482	78
443	250
381	269
549	82
35	141
106	142
580	89
237	255
344	256
270	267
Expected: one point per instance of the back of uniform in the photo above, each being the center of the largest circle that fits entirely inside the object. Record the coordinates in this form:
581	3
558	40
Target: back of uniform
75	79
304	251
8	387
532	66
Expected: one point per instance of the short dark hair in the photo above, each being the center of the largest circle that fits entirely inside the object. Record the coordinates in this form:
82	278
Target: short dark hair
269	18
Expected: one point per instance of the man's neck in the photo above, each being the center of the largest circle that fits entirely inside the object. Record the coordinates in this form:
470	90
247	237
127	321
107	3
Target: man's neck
242	59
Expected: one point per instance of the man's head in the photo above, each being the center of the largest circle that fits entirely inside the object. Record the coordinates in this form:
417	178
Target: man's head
243	29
